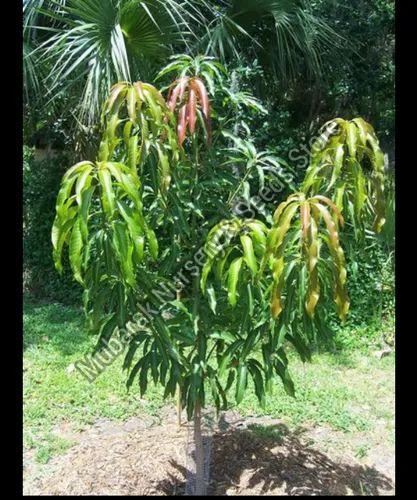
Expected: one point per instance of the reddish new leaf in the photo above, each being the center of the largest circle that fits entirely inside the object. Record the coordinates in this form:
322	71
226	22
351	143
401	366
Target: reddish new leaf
182	123
202	96
177	93
192	110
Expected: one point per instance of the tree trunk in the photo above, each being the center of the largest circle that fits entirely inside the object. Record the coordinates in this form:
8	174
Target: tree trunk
179	407
200	485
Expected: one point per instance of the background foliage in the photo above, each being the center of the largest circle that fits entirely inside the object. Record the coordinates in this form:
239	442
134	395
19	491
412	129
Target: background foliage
40	186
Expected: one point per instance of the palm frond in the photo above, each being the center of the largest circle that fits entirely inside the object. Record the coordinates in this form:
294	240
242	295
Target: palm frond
98	42
285	35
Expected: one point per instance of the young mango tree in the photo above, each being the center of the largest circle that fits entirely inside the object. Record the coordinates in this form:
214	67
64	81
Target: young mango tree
208	300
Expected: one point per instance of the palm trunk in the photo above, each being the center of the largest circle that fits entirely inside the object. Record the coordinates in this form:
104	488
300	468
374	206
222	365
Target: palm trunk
200	485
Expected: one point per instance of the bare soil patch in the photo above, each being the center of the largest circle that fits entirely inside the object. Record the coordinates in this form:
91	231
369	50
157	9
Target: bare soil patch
251	456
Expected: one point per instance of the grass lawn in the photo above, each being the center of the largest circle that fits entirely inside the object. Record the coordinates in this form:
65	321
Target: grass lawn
350	392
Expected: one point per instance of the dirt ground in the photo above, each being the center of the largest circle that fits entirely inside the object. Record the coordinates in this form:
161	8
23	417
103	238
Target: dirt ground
251	456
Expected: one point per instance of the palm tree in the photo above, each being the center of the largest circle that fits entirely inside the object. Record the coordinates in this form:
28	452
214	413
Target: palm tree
285	35
97	42
87	45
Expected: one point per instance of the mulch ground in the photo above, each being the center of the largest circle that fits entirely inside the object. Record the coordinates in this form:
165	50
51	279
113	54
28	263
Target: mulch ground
145	457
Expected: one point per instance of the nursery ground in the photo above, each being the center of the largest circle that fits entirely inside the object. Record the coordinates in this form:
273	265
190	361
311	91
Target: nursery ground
335	437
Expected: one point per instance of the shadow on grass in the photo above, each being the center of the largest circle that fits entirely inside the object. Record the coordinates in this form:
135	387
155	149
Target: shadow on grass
54	325
263	460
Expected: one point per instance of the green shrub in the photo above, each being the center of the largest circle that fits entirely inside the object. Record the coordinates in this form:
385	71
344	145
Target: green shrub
41	181
371	288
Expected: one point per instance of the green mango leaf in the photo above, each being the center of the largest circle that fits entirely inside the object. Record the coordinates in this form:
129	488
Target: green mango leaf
241	382
107	195
232	279
258	381
212	298
75	251
248	253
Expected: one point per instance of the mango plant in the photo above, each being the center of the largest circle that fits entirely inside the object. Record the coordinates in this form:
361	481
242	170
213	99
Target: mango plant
207	300
341	159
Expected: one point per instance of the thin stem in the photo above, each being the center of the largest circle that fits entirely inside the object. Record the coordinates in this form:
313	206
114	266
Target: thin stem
229	201
179	407
200	486
193	229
